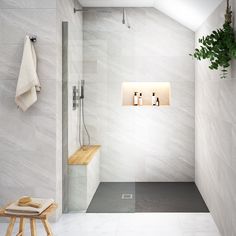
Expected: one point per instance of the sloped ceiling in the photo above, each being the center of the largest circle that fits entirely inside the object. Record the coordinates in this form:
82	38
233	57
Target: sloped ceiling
191	13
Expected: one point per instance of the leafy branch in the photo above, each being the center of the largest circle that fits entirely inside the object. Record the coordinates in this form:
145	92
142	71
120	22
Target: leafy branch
219	47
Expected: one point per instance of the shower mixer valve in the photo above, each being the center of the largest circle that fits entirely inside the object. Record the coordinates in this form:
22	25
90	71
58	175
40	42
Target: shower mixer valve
75	97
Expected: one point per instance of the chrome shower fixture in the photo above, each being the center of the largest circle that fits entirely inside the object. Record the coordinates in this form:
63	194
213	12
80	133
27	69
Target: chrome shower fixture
82	124
77	94
79	10
75	97
125	20
91	10
82	89
78	103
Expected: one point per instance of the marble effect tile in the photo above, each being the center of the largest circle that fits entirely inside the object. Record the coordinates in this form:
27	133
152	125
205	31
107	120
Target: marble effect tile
32	21
83	183
139	144
164	224
31	142
215	136
15	4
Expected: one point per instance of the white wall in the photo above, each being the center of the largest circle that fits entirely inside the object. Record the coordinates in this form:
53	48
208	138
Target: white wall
31	142
139	144
216	136
28	145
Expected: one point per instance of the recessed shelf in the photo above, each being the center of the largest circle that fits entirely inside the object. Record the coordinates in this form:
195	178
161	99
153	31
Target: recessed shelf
161	89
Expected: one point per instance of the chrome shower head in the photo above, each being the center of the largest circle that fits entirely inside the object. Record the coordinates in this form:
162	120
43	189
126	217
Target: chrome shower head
94	10
125	20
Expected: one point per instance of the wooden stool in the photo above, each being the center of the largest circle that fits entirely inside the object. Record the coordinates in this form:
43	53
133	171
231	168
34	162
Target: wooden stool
43	217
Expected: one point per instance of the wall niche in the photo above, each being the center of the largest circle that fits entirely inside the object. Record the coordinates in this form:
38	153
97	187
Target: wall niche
162	90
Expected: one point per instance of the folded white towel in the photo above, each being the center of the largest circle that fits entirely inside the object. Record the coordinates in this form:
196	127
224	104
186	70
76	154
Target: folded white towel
28	82
14	209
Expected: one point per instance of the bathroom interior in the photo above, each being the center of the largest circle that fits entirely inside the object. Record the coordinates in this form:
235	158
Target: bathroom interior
130	134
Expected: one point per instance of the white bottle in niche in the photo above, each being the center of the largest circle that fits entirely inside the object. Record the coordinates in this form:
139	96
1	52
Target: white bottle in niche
140	99
135	99
158	102
154	99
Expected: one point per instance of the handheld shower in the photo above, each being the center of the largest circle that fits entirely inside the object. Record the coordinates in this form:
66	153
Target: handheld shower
82	124
82	89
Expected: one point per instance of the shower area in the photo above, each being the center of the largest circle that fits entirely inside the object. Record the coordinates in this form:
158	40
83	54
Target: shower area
118	157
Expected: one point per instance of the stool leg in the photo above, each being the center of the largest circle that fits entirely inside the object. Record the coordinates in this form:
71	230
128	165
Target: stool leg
11	226
21	227
47	227
33	227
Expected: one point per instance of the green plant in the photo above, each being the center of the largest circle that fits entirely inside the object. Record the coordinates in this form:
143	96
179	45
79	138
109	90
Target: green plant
219	47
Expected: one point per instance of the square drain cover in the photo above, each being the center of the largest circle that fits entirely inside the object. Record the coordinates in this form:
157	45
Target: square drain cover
127	196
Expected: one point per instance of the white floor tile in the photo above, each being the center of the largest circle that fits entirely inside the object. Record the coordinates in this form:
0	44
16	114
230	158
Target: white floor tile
199	222
145	224
202	234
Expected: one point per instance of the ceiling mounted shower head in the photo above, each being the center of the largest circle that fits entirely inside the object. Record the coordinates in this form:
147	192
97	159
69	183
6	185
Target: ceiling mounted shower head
91	10
125	20
78	10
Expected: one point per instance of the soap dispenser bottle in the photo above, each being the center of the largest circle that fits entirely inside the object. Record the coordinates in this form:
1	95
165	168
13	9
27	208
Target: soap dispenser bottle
140	99
135	99
154	99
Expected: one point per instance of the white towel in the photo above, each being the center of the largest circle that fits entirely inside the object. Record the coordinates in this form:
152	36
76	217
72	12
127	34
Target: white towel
28	82
14	209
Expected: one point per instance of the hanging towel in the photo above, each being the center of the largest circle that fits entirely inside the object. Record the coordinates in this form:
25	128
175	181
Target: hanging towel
28	82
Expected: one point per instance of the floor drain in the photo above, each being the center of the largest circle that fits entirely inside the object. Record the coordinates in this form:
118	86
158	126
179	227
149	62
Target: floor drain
126	196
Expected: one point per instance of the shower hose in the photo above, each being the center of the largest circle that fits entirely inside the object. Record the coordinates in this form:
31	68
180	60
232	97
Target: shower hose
82	125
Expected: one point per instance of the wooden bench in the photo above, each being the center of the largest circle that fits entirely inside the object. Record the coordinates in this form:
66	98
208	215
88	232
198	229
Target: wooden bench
43	217
84	177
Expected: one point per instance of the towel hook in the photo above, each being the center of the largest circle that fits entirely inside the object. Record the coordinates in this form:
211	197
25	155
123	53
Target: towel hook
33	38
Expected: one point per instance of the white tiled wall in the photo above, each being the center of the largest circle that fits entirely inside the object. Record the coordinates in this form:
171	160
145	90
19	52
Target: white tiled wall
215	136
28	140
83	183
31	142
139	144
